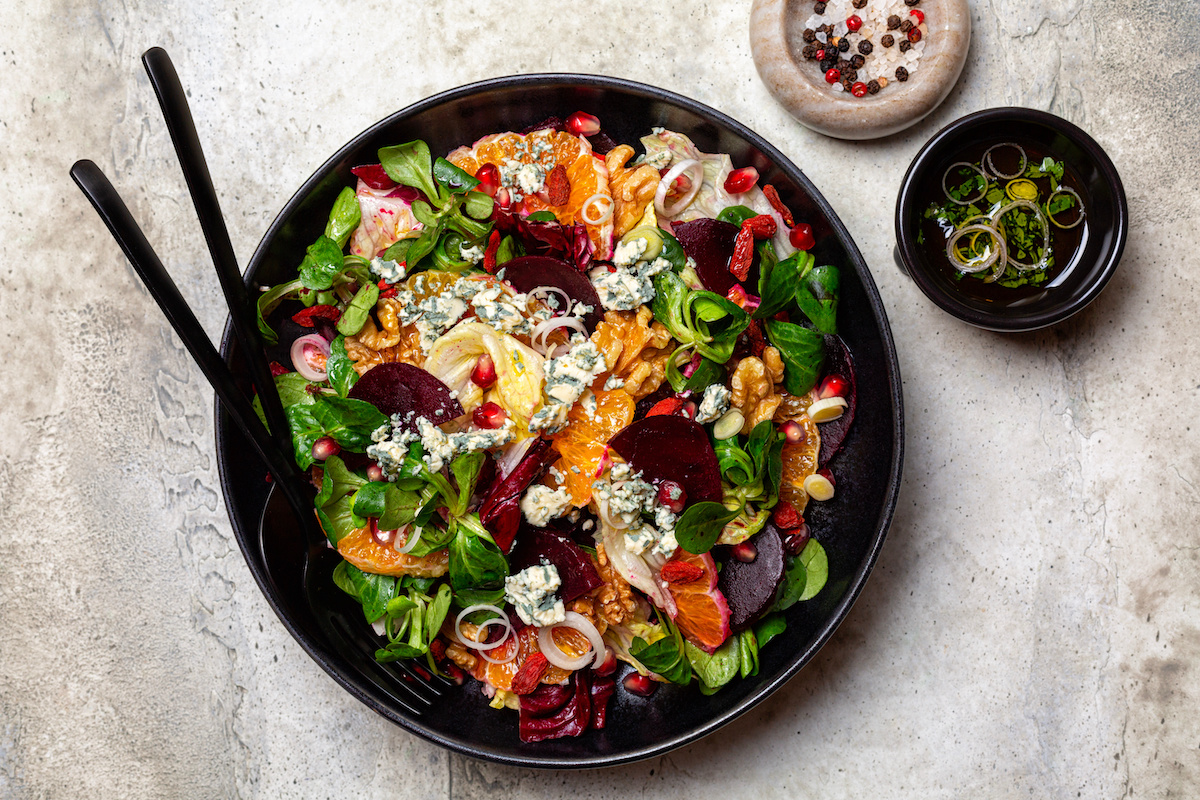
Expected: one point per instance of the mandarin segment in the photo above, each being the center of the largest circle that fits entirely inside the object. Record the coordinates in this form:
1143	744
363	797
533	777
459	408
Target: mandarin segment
361	550
582	443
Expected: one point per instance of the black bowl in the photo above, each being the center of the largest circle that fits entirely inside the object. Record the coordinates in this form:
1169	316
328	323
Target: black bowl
1103	236
329	625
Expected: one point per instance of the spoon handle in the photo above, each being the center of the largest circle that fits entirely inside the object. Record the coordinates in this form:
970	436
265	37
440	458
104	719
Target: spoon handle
121	224
173	101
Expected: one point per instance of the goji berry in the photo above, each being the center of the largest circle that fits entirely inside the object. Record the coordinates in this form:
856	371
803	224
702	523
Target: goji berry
489	255
743	254
530	674
763	226
558	187
786	516
681	572
665	407
306	317
777	204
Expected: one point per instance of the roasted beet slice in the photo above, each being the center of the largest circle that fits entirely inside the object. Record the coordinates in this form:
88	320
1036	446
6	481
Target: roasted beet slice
709	242
573	564
527	273
750	588
834	433
670	448
398	388
501	509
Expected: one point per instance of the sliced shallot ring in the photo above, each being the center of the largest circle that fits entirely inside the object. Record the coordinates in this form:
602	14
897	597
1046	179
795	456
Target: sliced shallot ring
545	291
475	644
590	203
664	185
1078	199
411	538
300	361
991	165
538	340
967	202
971	267
557	657
1041	217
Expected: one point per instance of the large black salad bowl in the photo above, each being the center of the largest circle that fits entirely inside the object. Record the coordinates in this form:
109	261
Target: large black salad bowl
329	625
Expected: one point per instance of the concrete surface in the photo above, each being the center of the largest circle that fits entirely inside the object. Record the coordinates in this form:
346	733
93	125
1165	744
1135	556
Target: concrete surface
1031	629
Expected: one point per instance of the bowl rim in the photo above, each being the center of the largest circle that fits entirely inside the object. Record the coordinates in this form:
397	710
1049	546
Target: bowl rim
948	302
248	539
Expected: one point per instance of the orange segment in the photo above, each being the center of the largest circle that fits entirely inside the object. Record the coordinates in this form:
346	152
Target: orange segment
571	642
547	148
582	443
800	459
360	549
702	613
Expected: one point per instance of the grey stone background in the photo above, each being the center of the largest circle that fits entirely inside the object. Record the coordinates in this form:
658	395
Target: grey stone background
1031	629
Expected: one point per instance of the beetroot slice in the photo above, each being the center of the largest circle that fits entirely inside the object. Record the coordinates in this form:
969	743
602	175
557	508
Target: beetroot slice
398	388
750	588
833	434
373	175
574	567
670	448
527	273
709	242
501	509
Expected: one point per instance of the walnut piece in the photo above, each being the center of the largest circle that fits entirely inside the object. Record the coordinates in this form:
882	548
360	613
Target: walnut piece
752	390
631	189
372	346
615	596
635	349
459	655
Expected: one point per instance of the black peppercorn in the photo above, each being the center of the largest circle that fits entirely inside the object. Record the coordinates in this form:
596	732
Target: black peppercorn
850	74
865	47
905	45
843	65
901	74
857	62
888	40
873	87
843	44
911	3
828	64
860	3
847	84
906	26
810	35
893	22
819	8
809	51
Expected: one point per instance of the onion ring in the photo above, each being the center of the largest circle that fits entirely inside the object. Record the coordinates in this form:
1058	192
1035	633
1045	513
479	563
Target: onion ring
411	538
991	165
554	653
475	644
301	348
664	185
1078	199
538	339
1037	210
971	267
542	295
982	193
605	216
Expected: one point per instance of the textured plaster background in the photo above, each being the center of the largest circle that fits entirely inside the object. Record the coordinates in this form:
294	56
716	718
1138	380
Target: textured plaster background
1031	629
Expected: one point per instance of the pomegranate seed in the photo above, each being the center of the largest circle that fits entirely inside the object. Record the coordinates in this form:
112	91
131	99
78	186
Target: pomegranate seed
489	415
796	539
745	552
859	89
503	198
688	410
827	475
854	22
325	447
453	673
582	123
609	665
374	472
672	496
382	538
786	516
834	75
484	374
639	684
919	14
489	179
741	180
801	236
833	386
914	34
794	432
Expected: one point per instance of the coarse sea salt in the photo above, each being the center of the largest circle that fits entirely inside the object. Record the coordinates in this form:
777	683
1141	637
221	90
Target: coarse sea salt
882	62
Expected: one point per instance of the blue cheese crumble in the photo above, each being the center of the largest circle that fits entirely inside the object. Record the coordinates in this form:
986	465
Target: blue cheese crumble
567	377
391	272
714	404
472	254
531	593
542	504
627	287
391	443
502	311
623	498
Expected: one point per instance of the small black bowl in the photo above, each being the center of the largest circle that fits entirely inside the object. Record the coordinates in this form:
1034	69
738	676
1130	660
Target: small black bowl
1103	231
329	625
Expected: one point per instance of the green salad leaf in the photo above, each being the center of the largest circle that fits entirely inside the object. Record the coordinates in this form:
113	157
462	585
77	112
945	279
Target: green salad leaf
802	351
700	525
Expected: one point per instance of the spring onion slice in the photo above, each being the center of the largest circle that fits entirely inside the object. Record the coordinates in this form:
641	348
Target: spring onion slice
970	200
554	653
664	185
543	293
593	213
475	644
1041	218
995	250
987	160
412	537
1078	199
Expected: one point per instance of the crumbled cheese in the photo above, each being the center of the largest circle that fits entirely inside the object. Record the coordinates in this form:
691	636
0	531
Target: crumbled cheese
627	287
392	442
542	504
472	254
386	270
566	379
500	310
714	404
629	253
531	593
522	179
625	497
589	404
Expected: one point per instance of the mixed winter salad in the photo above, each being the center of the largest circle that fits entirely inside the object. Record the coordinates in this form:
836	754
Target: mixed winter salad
564	402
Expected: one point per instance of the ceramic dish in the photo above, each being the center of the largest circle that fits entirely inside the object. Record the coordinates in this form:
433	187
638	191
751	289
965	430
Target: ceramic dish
329	625
776	39
1101	236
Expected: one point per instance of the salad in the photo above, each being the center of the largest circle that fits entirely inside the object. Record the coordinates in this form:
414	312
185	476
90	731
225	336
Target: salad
564	402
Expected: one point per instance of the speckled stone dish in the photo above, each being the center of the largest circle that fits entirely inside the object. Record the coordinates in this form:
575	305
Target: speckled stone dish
776	30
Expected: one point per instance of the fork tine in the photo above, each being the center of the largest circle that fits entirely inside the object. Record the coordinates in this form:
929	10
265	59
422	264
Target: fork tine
407	681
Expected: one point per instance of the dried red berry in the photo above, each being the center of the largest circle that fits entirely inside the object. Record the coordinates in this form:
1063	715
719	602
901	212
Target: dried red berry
859	89
308	316
786	516
854	22
582	123
558	186
777	204
741	180
743	254
671	405
914	35
489	255
820	55
763	226
801	237
833	76
681	572
530	674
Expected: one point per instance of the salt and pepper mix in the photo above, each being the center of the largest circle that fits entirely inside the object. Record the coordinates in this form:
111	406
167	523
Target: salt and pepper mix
862	46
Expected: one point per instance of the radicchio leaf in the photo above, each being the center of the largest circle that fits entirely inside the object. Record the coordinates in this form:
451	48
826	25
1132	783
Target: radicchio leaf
398	388
572	718
501	509
526	273
547	238
373	175
574	566
833	434
671	448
